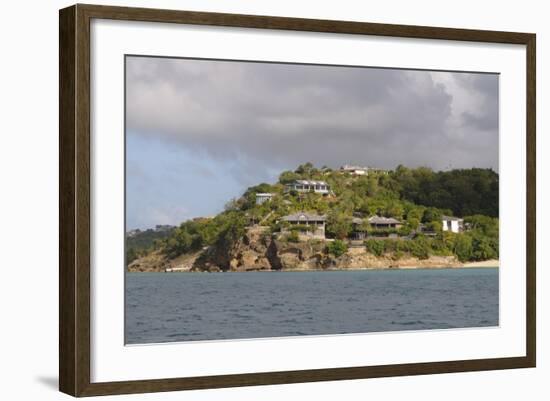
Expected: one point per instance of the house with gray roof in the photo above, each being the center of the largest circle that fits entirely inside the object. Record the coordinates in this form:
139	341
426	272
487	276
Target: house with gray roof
384	222
309	224
361	230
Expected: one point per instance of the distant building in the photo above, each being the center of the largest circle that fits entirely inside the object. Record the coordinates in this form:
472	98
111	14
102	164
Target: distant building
314	222
320	187
133	233
263	197
354	170
384	222
360	170
453	224
360	230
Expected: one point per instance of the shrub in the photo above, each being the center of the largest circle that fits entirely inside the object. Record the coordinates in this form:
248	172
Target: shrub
293	236
434	226
374	246
398	255
420	248
482	248
389	245
463	247
404	230
337	248
403	246
382	232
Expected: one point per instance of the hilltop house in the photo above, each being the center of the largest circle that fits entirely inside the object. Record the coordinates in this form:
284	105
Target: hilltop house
320	187
263	197
360	170
452	224
354	170
314	223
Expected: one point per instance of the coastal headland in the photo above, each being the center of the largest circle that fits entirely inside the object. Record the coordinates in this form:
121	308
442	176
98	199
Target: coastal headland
330	219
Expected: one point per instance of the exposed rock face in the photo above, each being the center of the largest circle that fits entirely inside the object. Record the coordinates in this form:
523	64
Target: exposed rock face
358	258
257	250
297	256
248	253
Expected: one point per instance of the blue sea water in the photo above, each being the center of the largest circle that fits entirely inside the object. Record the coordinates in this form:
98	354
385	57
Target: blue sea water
165	307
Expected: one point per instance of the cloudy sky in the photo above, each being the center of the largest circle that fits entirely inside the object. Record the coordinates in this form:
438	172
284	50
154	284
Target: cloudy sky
199	132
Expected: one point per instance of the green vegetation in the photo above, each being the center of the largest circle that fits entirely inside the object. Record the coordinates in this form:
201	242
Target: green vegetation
223	230
417	197
337	247
375	247
465	192
141	242
293	236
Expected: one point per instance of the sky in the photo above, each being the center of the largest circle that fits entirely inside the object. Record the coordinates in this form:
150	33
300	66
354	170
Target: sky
199	132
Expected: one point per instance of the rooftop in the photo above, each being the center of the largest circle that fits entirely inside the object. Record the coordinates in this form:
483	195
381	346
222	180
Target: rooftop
310	182
383	220
352	167
303	216
451	218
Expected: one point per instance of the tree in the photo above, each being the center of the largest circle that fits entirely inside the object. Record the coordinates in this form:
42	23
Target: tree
483	248
431	214
463	247
435	226
339	224
413	223
305	170
288	177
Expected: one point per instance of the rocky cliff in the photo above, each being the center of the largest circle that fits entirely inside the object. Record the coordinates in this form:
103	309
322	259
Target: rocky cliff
258	250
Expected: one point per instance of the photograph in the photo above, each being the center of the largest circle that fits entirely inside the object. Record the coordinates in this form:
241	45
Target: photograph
268	199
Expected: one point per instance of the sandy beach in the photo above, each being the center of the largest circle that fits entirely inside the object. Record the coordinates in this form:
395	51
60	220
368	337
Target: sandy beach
483	263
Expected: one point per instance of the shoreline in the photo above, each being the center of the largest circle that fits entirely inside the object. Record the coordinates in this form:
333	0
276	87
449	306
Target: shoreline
485	264
482	264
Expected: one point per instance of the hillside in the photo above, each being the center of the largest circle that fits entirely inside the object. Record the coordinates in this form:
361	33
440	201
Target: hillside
141	242
373	216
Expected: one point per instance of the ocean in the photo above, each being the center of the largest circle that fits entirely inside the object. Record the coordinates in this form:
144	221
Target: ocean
166	307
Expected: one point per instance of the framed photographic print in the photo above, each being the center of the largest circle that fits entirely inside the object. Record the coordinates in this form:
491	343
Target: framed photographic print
249	200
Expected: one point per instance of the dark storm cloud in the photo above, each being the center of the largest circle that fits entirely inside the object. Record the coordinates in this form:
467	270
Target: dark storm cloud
271	115
486	87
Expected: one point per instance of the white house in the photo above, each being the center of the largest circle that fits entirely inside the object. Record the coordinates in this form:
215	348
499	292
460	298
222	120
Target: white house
263	197
453	224
360	170
354	170
320	187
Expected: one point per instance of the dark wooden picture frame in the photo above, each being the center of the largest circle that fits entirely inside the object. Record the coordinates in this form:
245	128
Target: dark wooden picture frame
74	203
